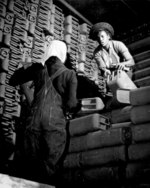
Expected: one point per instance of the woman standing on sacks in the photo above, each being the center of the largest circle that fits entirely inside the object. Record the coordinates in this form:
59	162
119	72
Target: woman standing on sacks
110	54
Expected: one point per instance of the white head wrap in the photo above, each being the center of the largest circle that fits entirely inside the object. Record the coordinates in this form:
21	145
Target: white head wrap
56	48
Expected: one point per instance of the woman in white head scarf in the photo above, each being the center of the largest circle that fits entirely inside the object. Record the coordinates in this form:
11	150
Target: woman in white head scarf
45	136
58	49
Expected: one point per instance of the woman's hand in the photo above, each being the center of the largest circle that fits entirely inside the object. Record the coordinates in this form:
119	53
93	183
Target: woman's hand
121	66
107	72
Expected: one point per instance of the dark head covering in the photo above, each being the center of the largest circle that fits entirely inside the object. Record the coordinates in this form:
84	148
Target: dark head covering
100	26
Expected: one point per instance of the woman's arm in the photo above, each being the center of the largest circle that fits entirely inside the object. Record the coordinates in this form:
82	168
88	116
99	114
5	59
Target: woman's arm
101	64
23	75
72	104
127	57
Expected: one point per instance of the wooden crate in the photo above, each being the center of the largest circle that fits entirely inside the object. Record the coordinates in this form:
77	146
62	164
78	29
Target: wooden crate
140	114
99	139
88	123
121	115
139	151
100	156
140	96
141	132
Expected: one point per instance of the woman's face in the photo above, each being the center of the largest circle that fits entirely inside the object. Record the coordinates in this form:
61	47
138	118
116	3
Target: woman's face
103	38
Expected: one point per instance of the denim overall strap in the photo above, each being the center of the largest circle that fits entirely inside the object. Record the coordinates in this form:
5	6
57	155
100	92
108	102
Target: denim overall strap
57	73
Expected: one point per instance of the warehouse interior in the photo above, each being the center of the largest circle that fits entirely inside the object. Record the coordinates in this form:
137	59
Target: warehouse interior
110	136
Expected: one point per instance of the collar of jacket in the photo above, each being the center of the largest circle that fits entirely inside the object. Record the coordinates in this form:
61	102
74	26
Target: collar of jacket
54	66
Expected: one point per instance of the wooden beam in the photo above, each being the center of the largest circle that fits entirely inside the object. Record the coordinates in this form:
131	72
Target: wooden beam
78	14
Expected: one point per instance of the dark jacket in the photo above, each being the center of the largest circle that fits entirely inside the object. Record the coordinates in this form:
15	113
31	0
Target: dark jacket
44	140
65	84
